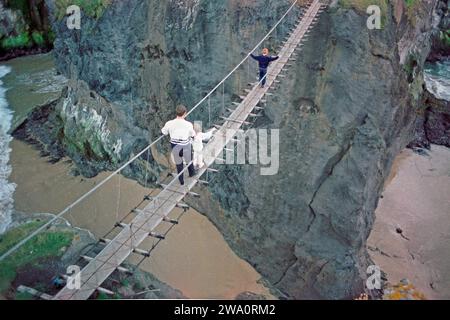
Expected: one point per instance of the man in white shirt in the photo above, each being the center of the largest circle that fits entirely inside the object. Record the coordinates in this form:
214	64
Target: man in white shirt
181	133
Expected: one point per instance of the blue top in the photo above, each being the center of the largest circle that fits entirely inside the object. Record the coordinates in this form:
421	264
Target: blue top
264	61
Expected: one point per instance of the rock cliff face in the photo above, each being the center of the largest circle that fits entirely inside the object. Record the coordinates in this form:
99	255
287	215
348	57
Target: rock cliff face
432	124
143	58
345	110
305	229
441	39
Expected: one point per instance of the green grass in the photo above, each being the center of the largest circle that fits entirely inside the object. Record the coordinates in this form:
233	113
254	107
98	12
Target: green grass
29	37
413	10
125	282
23	296
43	245
21	41
51	36
410	3
104	296
24	40
38	38
362	5
445	37
92	8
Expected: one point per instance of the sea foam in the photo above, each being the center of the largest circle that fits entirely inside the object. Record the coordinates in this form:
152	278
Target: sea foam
6	188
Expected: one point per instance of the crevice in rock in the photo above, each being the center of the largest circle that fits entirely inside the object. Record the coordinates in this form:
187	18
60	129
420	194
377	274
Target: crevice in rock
285	272
332	163
320	271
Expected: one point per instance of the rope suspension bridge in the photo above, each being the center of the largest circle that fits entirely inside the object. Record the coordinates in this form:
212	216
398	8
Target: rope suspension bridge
145	221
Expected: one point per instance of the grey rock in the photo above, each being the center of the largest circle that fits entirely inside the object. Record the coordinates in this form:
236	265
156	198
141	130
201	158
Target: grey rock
12	22
432	124
249	296
441	48
304	229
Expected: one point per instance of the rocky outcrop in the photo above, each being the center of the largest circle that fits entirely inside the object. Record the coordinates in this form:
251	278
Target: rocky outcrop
138	60
441	37
345	110
83	126
44	272
12	22
433	123
305	229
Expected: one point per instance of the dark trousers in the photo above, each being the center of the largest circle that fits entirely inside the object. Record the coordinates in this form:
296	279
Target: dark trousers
262	76
181	152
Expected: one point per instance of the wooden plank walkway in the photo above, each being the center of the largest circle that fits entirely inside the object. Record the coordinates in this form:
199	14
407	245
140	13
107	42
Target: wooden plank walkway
143	225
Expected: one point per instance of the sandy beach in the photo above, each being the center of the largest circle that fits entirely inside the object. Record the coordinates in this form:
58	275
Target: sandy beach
194	258
417	201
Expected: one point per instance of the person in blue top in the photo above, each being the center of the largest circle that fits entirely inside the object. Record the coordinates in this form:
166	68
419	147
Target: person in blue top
264	60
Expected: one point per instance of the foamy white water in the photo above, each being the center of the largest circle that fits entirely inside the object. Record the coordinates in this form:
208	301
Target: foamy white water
437	79
6	188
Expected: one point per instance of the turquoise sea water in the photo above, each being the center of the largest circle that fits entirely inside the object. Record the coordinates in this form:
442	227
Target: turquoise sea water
437	78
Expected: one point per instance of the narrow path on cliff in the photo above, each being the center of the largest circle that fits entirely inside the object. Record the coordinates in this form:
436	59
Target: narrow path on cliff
146	220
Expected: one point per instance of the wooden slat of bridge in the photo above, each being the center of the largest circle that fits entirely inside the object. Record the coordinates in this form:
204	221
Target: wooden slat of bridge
225	134
129	238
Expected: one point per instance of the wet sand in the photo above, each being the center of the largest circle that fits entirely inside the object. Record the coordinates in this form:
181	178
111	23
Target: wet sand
194	258
416	200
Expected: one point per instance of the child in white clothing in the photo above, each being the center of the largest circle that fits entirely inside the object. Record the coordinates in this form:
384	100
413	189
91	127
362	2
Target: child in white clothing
197	144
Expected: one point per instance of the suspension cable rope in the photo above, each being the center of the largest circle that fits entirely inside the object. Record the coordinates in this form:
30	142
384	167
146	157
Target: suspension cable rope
126	164
209	126
146	168
249	80
173	181
223	96
118	197
92	249
209	112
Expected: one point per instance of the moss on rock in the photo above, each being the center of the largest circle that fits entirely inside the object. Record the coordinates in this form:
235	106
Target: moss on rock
44	245
25	28
92	8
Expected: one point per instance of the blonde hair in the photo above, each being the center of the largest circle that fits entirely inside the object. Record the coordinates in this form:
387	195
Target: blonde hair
197	127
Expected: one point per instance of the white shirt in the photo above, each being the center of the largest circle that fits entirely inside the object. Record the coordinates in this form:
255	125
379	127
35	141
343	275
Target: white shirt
180	131
197	144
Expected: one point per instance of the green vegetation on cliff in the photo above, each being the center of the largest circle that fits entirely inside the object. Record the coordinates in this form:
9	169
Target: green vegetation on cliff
362	5
23	40
92	8
28	26
45	245
38	38
27	40
445	37
413	11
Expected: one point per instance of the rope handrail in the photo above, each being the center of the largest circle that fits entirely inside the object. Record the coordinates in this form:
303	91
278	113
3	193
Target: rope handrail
104	181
